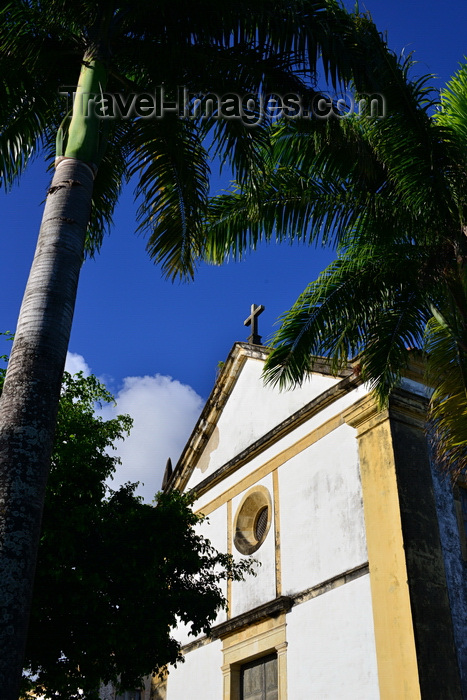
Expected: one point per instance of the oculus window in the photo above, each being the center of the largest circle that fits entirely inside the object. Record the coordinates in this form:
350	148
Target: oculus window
253	520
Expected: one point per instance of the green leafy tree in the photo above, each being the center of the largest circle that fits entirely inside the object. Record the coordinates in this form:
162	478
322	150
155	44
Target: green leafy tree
391	194
114	574
126	47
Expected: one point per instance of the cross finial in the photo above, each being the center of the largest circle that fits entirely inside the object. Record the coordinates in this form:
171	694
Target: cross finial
252	321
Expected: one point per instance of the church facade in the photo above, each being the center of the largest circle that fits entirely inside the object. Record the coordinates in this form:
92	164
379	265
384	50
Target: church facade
360	589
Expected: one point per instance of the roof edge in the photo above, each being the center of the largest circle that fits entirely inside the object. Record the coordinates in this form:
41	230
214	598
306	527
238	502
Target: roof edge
215	403
217	399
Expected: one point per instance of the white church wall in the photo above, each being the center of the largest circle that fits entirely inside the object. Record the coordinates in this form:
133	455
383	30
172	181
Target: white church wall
215	530
290	439
261	588
321	512
330	646
200	677
251	411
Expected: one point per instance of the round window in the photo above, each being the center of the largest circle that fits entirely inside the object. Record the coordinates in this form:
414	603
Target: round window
253	520
261	523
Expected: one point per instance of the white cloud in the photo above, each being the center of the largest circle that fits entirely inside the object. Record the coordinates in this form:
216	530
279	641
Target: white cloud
76	363
164	413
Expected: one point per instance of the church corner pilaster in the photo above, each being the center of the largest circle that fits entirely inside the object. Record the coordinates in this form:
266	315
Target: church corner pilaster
394	633
413	626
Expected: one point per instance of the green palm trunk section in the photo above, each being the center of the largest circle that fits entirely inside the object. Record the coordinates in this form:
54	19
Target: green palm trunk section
83	132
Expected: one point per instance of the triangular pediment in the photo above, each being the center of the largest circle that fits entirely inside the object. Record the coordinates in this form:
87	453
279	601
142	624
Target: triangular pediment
240	411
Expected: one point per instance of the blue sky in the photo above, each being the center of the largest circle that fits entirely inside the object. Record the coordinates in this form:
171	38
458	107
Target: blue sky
132	323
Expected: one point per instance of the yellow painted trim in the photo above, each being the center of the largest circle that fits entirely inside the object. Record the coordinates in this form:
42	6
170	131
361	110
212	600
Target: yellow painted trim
156	686
281	650
392	615
253	501
229	551
416	371
277	532
212	409
272	464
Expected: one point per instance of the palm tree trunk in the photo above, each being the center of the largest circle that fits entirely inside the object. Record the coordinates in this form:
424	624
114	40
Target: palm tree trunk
31	388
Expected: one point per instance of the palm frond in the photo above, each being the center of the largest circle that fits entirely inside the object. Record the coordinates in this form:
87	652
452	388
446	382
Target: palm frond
308	31
368	303
111	176
287	205
323	179
453	105
446	346
173	171
37	46
21	136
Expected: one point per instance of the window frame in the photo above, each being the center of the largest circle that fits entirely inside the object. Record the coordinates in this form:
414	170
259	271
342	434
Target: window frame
254	502
259	640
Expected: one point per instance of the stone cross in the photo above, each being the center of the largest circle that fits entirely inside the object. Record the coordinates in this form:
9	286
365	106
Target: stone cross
252	321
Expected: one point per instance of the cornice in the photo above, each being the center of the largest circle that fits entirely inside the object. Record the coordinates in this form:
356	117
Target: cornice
304	414
271	609
403	405
215	405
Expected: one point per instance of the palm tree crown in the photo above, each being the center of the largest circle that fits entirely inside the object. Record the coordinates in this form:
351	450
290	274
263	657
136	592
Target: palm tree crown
391	194
137	48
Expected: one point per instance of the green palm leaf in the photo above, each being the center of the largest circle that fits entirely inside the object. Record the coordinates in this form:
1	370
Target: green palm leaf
446	345
390	194
173	188
366	304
